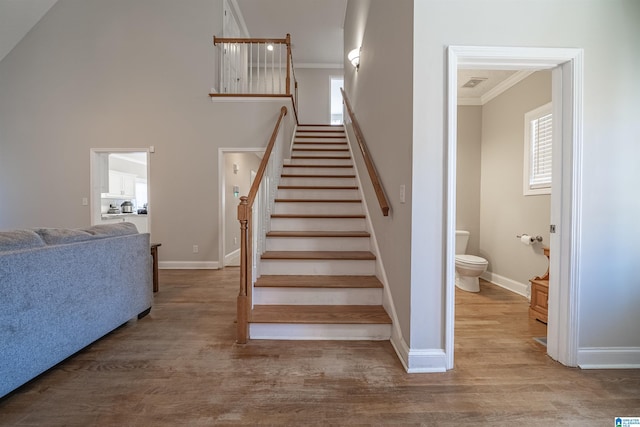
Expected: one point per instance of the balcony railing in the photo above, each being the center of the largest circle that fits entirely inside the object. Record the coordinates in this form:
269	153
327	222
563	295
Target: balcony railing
256	67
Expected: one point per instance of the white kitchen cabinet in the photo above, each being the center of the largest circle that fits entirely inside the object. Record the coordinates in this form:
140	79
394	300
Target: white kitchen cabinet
122	185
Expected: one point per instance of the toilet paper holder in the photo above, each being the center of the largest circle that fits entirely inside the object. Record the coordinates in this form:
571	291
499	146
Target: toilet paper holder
531	238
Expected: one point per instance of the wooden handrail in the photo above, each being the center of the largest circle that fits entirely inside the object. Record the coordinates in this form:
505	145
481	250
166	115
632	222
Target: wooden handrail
217	40
368	161
246	232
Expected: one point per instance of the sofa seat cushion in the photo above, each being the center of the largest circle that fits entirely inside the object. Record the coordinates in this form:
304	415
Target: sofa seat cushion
15	240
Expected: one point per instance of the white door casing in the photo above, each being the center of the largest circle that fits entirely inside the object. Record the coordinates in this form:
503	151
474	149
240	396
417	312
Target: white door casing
567	88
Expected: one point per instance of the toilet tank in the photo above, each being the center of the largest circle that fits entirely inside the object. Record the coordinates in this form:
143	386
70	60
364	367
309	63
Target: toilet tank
462	238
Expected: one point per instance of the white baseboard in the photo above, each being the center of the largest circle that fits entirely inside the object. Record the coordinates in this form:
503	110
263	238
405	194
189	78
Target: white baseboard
188	265
609	358
419	361
232	259
506	283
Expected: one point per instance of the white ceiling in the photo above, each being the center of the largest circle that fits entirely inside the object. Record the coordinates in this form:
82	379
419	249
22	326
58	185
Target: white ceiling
316	27
17	17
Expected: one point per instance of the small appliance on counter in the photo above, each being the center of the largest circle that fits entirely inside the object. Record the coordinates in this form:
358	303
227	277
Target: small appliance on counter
126	207
113	209
143	211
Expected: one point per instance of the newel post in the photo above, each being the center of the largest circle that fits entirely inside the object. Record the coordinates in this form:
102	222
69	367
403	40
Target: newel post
242	309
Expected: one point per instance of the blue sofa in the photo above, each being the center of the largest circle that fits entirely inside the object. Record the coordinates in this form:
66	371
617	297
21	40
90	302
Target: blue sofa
62	289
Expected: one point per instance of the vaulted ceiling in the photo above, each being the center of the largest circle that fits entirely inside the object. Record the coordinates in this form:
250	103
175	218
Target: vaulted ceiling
17	17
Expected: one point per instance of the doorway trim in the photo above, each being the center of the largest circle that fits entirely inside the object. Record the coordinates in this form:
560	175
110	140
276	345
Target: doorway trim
567	94
222	198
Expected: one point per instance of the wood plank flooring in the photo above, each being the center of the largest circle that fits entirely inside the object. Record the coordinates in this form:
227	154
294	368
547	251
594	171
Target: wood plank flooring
179	366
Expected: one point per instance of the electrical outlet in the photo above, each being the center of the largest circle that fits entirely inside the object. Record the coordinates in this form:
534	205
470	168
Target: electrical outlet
402	193
85	201
235	240
195	249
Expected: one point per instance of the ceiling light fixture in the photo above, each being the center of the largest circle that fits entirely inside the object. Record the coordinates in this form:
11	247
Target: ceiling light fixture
354	57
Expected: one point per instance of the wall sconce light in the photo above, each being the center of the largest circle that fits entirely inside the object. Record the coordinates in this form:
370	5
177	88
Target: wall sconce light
354	57
235	168
236	191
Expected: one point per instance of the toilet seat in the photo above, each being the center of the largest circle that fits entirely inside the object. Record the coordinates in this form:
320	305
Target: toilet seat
470	259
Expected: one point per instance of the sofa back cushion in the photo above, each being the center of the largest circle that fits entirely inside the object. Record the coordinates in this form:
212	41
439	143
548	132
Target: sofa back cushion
15	240
112	230
59	236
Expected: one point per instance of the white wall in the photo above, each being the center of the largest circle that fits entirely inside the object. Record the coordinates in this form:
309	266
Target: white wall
505	212
314	94
122	74
607	30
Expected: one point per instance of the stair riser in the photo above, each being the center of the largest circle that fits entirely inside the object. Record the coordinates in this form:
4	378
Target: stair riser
318	224
311	127
318	296
318	244
318	194
318	267
284	331
333	145
324	182
318	171
331	153
321	162
319	208
324	135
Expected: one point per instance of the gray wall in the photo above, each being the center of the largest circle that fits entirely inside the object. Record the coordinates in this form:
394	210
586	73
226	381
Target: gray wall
505	212
314	94
468	174
122	74
381	95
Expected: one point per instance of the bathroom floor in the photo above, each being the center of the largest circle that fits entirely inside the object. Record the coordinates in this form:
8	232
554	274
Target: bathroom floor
495	322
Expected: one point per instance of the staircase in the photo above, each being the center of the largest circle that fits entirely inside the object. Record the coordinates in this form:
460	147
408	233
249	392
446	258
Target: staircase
318	272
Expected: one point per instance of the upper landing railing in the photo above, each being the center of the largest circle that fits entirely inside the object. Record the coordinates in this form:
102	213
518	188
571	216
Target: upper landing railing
256	67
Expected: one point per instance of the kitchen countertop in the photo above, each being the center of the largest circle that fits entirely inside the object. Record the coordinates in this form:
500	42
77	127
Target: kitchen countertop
120	215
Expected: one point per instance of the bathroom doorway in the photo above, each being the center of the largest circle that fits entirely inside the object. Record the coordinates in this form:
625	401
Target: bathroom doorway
566	69
236	168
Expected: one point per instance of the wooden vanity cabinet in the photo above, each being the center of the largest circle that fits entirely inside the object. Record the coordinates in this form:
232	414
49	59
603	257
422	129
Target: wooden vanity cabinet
538	308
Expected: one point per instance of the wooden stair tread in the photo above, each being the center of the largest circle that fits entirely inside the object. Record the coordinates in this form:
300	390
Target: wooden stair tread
318	234
321	149
329	216
322	157
317	166
320	314
318	201
296	175
346	282
320	142
320	255
315	187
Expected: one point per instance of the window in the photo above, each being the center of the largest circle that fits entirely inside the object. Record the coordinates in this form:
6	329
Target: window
336	100
538	140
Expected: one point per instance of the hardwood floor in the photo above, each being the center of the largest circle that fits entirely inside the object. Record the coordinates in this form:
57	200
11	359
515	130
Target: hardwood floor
180	366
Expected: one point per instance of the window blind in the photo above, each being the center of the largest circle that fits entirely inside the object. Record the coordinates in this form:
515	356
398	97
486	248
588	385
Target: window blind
541	144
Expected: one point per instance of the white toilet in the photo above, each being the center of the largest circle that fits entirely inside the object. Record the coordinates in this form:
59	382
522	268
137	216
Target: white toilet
468	267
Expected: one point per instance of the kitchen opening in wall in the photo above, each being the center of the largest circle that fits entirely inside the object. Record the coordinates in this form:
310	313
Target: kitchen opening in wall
120	187
336	100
